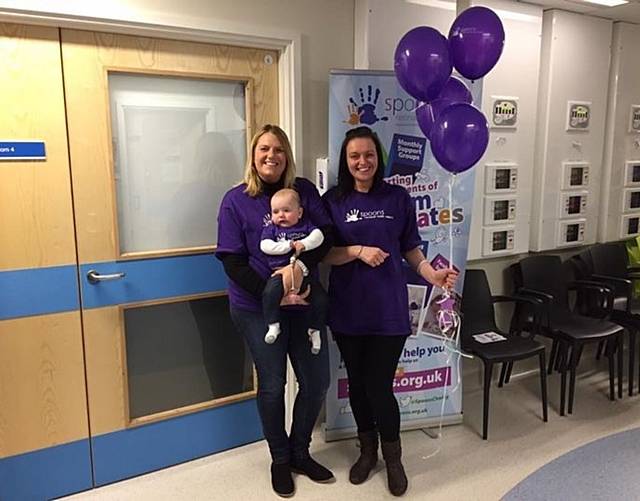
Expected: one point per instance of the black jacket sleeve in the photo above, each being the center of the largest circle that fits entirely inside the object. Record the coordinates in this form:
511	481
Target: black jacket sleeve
237	268
312	258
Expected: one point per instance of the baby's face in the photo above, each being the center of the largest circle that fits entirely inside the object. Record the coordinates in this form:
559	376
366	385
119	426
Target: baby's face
285	211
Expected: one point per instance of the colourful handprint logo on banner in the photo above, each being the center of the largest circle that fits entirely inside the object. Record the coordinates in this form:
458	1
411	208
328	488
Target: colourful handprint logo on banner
364	112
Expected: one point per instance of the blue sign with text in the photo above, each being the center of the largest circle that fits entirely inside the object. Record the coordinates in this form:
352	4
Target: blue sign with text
22	150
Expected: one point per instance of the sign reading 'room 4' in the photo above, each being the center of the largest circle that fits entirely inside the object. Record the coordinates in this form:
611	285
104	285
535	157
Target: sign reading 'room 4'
22	150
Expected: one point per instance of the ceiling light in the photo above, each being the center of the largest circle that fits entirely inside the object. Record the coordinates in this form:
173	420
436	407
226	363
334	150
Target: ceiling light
607	3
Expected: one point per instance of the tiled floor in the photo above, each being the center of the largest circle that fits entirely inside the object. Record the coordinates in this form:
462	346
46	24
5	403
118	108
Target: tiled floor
465	468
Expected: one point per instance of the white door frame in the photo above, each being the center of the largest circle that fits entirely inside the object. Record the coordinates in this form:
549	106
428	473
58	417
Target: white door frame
287	43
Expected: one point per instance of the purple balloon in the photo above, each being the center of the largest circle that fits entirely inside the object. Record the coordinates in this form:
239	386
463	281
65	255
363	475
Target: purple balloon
459	137
422	63
455	90
425	118
427	114
476	40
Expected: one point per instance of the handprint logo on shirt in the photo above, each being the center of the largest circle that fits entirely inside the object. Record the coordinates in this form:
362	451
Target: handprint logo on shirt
366	110
281	237
352	216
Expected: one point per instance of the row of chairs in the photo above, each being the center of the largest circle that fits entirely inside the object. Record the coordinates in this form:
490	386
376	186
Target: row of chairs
586	299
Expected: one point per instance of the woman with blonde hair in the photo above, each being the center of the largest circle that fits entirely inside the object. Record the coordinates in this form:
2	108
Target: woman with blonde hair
244	212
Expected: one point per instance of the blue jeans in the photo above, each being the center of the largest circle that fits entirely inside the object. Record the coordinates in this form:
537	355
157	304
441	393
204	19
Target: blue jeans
312	373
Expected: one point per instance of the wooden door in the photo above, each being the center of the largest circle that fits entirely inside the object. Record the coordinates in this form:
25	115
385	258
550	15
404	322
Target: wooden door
44	434
153	147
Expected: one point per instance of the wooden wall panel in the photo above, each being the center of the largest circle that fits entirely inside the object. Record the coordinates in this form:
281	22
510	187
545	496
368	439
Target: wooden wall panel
105	370
42	383
36	219
87	59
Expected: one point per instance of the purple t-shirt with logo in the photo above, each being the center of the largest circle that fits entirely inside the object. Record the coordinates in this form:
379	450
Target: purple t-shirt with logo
364	299
241	220
278	234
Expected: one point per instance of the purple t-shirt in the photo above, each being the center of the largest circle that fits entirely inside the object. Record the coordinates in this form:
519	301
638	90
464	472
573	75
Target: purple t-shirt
278	234
363	299
241	220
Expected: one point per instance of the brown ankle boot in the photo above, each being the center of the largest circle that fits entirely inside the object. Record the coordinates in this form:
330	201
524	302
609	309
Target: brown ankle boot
368	457
396	477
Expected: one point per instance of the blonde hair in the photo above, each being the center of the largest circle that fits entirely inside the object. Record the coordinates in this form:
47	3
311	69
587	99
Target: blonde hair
251	178
287	193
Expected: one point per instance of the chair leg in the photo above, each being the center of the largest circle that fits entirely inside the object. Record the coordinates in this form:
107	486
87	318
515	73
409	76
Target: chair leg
543	386
553	355
610	353
620	356
632	358
560	360
600	348
573	364
509	369
562	355
503	373
488	370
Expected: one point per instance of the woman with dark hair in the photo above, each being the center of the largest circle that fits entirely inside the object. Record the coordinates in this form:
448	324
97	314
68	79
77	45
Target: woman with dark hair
244	211
375	228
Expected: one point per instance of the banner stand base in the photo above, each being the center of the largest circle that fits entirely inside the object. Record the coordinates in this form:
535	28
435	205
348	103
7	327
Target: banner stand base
428	426
431	433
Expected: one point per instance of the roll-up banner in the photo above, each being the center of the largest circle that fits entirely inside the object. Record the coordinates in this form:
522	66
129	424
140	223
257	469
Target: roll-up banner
428	380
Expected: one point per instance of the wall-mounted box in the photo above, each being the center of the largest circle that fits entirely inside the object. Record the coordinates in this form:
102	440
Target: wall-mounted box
575	175
630	225
571	233
499	210
632	173
631	200
573	204
498	241
500	178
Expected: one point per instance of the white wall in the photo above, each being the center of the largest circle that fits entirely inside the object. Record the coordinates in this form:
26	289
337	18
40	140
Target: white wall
324	27
381	23
515	75
574	67
621	145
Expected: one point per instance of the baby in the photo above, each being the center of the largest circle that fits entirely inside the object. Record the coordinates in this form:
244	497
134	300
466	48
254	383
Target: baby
282	242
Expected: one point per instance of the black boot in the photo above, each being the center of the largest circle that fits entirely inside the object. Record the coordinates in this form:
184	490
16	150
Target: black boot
281	480
396	477
312	469
368	457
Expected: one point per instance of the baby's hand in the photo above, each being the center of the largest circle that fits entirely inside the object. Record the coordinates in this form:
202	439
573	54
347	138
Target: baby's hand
298	248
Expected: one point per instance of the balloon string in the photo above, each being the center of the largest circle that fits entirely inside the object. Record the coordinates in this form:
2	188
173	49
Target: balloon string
451	181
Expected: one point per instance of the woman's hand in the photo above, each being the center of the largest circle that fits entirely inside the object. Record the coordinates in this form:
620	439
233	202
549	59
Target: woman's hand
290	283
291	293
445	277
293	298
373	256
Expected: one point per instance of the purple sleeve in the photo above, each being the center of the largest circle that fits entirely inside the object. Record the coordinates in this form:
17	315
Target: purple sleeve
231	239
313	205
409	236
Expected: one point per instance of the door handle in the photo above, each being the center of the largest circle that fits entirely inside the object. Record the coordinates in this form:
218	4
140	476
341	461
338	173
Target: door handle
94	277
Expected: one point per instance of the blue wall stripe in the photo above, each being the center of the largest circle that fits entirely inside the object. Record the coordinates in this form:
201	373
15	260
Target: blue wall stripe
154	278
38	291
46	473
142	449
